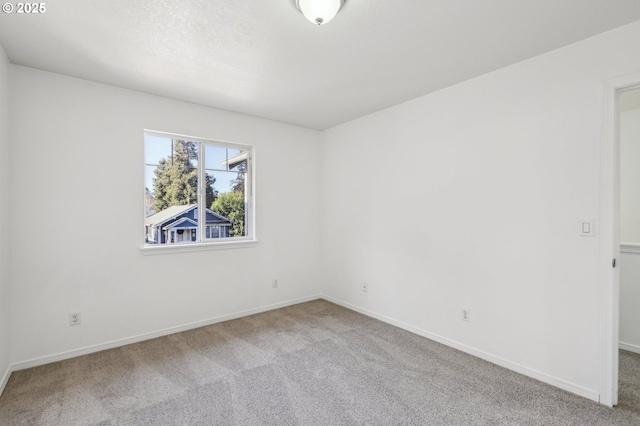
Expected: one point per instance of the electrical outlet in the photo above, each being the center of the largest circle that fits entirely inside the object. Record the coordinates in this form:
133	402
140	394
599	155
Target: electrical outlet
465	315
365	287
74	318
274	283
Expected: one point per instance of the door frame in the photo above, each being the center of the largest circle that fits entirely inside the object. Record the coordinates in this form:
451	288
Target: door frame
610	235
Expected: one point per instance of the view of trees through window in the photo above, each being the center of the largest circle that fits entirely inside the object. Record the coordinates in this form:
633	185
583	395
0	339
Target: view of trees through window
174	170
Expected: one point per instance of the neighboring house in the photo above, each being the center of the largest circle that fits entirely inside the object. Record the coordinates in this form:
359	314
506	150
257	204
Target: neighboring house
179	224
236	160
149	201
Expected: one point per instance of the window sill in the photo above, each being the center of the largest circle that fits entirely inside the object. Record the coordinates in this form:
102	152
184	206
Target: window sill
187	248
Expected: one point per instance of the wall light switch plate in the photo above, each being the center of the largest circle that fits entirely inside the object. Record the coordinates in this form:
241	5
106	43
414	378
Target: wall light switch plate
586	228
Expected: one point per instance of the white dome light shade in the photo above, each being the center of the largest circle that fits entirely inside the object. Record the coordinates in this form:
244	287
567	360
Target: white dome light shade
319	11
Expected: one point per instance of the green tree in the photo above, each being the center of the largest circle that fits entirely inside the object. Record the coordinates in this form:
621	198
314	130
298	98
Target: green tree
237	184
176	178
231	206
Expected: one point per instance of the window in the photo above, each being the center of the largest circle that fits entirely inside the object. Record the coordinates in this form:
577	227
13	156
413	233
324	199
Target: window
196	191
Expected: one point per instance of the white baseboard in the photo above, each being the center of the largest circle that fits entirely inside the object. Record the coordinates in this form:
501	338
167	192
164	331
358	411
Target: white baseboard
629	347
554	381
147	336
5	379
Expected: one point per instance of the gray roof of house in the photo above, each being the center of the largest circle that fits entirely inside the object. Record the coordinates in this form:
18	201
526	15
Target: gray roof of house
167	214
175	211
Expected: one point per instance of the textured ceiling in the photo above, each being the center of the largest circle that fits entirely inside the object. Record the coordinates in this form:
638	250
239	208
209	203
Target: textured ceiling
262	58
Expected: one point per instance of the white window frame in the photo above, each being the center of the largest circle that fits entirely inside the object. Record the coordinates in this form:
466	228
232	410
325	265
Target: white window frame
204	243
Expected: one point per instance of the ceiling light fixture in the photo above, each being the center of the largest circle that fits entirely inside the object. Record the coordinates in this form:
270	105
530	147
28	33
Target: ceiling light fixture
319	11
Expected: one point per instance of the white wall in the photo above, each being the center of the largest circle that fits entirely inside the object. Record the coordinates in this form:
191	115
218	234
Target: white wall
471	197
630	230
5	261
630	176
630	301
77	154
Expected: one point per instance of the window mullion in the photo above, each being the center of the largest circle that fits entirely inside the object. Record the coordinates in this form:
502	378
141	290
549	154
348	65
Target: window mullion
248	195
202	194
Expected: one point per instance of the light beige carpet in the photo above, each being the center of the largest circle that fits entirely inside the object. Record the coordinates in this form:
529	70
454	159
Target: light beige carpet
310	364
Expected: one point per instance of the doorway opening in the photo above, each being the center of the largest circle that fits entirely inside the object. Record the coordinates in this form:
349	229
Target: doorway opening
621	97
629	260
